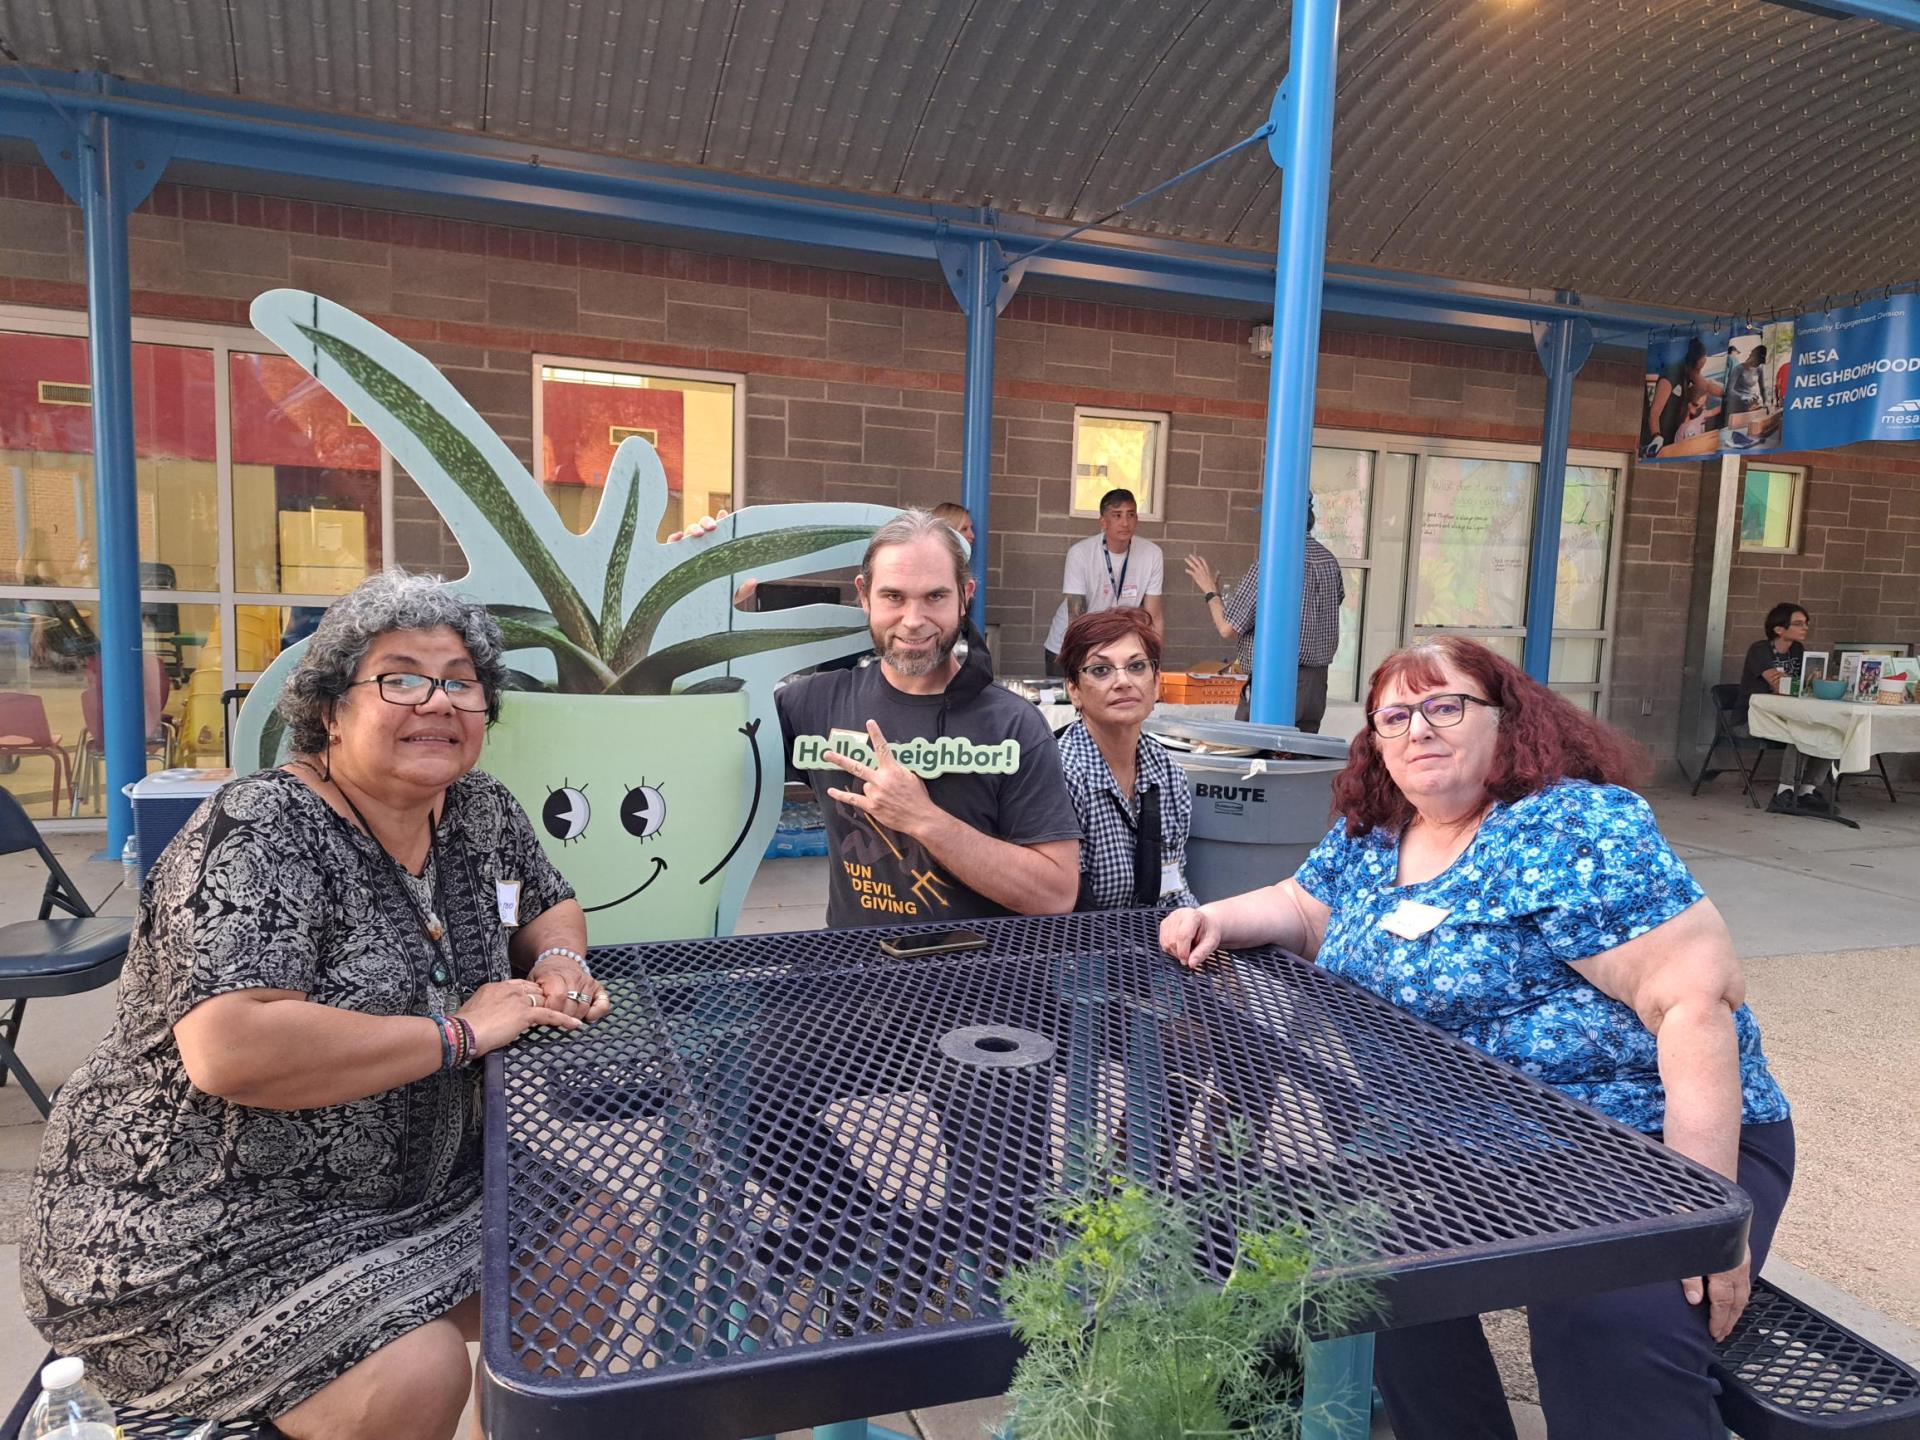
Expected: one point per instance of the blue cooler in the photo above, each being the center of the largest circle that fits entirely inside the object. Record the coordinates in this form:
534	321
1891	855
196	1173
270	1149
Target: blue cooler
165	801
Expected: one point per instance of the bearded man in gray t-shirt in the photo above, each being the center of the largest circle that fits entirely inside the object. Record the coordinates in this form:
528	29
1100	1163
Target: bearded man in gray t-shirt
942	791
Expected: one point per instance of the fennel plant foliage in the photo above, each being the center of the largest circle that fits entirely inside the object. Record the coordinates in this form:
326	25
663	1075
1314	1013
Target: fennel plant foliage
1129	1338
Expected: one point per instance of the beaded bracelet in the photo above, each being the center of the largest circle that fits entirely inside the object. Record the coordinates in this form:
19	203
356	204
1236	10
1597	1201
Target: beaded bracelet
571	954
447	1040
458	1043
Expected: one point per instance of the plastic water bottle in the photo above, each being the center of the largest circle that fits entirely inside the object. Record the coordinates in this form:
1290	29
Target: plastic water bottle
69	1408
130	866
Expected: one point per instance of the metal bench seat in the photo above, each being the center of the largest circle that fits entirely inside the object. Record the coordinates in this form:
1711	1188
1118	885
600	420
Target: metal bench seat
1788	1372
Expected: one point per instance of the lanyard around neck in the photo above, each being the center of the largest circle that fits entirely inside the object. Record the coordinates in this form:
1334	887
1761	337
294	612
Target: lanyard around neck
1120	584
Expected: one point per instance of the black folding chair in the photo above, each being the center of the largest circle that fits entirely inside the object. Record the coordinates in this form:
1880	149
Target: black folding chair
1729	733
47	956
1885	778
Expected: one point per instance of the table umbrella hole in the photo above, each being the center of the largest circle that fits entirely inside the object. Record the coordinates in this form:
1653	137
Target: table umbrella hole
996	1047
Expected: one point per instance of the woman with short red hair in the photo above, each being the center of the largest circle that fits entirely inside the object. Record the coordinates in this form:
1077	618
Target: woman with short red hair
1492	874
1132	801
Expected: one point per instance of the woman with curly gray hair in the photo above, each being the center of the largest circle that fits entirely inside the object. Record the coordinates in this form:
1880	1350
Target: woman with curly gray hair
260	1195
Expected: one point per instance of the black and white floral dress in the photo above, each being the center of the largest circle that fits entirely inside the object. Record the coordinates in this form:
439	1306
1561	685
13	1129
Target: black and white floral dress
215	1260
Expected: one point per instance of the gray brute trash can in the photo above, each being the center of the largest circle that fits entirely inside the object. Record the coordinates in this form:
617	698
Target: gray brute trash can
1255	817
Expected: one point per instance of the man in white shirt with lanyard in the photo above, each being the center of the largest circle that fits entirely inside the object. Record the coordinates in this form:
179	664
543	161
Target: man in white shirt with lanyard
1109	570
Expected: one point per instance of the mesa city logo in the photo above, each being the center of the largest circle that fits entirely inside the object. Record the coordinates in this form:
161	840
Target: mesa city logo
1905	413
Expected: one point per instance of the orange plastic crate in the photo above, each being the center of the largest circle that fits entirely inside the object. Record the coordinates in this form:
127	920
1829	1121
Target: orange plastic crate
1178	687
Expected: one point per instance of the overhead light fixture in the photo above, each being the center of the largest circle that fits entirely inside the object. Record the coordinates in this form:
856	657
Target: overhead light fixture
1261	340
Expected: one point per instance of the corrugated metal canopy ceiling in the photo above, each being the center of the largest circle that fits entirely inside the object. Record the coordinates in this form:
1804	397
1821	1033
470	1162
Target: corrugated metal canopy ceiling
1714	154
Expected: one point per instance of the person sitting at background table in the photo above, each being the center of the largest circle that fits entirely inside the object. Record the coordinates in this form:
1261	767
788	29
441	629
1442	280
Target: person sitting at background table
1492	876
260	1194
1134	806
1769	661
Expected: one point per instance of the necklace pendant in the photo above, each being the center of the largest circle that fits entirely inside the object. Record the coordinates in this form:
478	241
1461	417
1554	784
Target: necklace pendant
435	926
440	975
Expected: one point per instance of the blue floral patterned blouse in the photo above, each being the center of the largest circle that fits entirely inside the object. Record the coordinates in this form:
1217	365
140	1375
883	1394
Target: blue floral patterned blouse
1560	875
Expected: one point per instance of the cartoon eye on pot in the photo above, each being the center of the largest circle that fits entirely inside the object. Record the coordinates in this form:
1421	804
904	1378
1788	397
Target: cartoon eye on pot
567	813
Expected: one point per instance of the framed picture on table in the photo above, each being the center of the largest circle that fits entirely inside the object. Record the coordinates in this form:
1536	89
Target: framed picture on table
1866	685
1849	673
1813	666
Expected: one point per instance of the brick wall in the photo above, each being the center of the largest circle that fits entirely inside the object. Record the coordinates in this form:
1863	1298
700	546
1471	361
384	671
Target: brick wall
1858	570
854	392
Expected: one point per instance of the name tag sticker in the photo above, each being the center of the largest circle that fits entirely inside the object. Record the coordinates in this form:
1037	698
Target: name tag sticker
1410	920
1171	879
507	893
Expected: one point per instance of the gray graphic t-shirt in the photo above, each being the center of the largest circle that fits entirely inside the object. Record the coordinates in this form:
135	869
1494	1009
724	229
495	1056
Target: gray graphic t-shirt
988	760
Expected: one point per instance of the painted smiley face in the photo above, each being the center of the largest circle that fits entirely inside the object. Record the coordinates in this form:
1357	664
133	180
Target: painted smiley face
568	814
654	801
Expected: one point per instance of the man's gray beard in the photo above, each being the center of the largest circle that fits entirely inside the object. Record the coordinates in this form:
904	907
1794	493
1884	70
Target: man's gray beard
913	669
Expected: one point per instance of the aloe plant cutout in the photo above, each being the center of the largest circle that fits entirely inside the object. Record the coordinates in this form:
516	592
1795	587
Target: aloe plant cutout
643	742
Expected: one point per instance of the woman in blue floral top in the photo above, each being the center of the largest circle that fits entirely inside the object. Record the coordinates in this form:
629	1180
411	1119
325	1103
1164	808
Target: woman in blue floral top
1492	876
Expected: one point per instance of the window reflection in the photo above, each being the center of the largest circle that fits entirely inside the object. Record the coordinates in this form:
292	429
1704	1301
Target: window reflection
46	465
306	484
586	412
50	700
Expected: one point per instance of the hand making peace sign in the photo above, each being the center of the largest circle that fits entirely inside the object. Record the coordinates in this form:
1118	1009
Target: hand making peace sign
894	797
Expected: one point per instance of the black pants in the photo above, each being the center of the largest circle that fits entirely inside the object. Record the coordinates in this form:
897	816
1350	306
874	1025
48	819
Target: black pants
1626	1365
1310	699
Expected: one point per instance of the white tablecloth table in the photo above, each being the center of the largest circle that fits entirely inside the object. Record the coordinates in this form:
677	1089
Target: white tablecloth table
1839	730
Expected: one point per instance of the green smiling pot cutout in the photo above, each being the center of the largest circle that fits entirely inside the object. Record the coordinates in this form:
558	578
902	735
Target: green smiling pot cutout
640	736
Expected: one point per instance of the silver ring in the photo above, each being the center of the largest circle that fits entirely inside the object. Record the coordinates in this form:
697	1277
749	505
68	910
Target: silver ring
579	997
533	1001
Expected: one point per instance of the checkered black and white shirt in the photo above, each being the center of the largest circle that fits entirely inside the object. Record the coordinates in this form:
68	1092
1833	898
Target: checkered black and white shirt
1321	592
1107	817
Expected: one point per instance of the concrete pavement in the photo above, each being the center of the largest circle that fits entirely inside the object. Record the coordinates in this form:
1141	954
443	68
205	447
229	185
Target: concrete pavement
1826	919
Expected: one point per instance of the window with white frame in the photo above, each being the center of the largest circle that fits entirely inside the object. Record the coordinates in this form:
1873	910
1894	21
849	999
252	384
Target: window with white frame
1770	501
694	419
1119	450
258	499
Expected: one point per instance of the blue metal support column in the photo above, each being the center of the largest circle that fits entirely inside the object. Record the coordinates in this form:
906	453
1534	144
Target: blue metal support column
1302	148
983	282
1563	347
109	166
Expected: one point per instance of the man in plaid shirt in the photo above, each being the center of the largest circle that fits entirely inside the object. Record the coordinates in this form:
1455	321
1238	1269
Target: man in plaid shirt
1321	594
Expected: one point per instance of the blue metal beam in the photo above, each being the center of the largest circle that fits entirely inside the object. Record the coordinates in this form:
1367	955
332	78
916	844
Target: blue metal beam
1563	346
1903	13
115	172
372	155
983	283
1307	162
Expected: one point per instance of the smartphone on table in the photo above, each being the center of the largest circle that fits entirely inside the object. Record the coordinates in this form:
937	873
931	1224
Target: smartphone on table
931	942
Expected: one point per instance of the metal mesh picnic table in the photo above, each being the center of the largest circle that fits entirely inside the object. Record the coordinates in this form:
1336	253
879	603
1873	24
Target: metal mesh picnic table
780	1183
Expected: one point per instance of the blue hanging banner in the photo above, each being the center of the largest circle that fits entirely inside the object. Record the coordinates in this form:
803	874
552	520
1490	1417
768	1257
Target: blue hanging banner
1824	379
1856	375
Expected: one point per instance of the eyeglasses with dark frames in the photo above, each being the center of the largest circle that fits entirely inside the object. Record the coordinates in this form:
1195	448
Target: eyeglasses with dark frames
1101	673
1391	721
403	687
